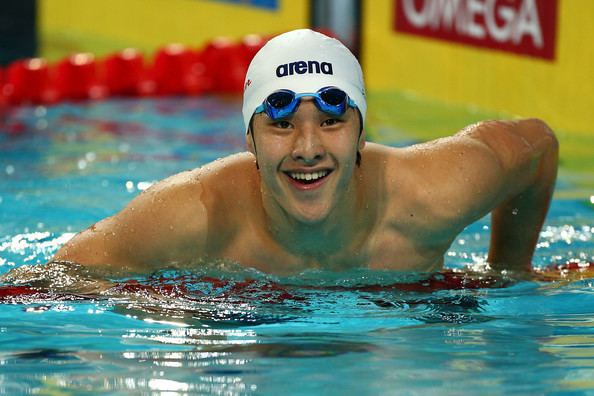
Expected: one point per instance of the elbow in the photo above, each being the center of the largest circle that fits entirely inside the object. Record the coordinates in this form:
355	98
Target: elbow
522	144
542	136
546	146
553	142
549	147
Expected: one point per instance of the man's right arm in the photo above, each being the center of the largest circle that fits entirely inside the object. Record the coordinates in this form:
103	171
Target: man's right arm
164	225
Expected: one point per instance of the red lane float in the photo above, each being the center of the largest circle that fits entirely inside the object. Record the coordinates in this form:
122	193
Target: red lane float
77	79
28	81
273	293
124	74
171	67
3	99
176	69
227	64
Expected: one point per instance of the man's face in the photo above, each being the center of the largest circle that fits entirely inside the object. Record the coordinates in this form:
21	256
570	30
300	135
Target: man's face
307	160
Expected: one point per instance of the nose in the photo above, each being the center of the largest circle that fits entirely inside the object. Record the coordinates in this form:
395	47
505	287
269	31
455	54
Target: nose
308	148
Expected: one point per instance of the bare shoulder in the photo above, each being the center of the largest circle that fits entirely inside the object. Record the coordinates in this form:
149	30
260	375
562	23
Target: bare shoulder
188	207
229	172
205	184
229	183
167	223
452	181
204	177
377	157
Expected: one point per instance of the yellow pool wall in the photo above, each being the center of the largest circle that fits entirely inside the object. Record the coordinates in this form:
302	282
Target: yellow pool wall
102	27
559	91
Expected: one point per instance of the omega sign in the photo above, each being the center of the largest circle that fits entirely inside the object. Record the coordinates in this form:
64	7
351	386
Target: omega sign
525	27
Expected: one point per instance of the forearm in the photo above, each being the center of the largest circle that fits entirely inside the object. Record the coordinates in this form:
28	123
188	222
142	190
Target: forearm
516	223
515	228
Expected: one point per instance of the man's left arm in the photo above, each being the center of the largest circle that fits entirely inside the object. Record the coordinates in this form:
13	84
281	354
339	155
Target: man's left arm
527	151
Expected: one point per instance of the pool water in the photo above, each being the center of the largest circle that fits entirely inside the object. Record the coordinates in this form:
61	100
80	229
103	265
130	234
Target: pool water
224	329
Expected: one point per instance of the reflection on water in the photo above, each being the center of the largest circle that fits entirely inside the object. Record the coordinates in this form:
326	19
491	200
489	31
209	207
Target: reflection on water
191	332
572	344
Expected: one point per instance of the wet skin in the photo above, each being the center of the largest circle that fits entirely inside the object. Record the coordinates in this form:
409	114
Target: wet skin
309	205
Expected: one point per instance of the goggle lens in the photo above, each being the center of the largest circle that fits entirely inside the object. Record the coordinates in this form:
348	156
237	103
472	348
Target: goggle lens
280	99
333	96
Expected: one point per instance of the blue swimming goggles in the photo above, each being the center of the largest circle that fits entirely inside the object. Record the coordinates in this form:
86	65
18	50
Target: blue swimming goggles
284	102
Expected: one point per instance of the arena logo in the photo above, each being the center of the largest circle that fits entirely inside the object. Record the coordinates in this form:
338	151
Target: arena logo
524	27
302	67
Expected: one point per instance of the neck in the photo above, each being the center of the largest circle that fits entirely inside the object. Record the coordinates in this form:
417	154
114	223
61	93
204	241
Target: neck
338	231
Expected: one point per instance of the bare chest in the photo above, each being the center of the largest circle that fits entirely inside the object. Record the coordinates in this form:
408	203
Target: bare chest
382	248
396	251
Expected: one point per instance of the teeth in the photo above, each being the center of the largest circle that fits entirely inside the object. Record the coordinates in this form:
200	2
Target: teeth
308	176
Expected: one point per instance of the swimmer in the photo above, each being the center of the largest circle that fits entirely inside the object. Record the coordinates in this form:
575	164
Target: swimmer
310	192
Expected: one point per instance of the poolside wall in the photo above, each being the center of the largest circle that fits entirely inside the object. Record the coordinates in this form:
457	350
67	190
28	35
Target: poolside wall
556	85
105	26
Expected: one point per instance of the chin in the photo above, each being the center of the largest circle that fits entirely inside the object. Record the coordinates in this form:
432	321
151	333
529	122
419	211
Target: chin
312	215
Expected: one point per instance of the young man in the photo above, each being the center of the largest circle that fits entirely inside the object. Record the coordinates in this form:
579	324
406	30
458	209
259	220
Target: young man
311	193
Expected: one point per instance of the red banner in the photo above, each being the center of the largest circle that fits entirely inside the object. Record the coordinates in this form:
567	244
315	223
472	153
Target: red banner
525	27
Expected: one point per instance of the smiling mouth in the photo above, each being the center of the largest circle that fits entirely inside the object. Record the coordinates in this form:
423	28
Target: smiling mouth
308	177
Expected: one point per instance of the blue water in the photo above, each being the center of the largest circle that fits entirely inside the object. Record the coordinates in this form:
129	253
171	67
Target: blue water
224	329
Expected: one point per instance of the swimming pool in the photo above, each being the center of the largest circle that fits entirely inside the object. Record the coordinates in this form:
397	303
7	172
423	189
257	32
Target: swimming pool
223	329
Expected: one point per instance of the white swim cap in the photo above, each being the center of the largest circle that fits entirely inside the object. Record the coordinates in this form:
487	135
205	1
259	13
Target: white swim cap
302	61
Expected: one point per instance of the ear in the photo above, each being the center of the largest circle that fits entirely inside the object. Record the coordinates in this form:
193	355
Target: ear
362	140
249	141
